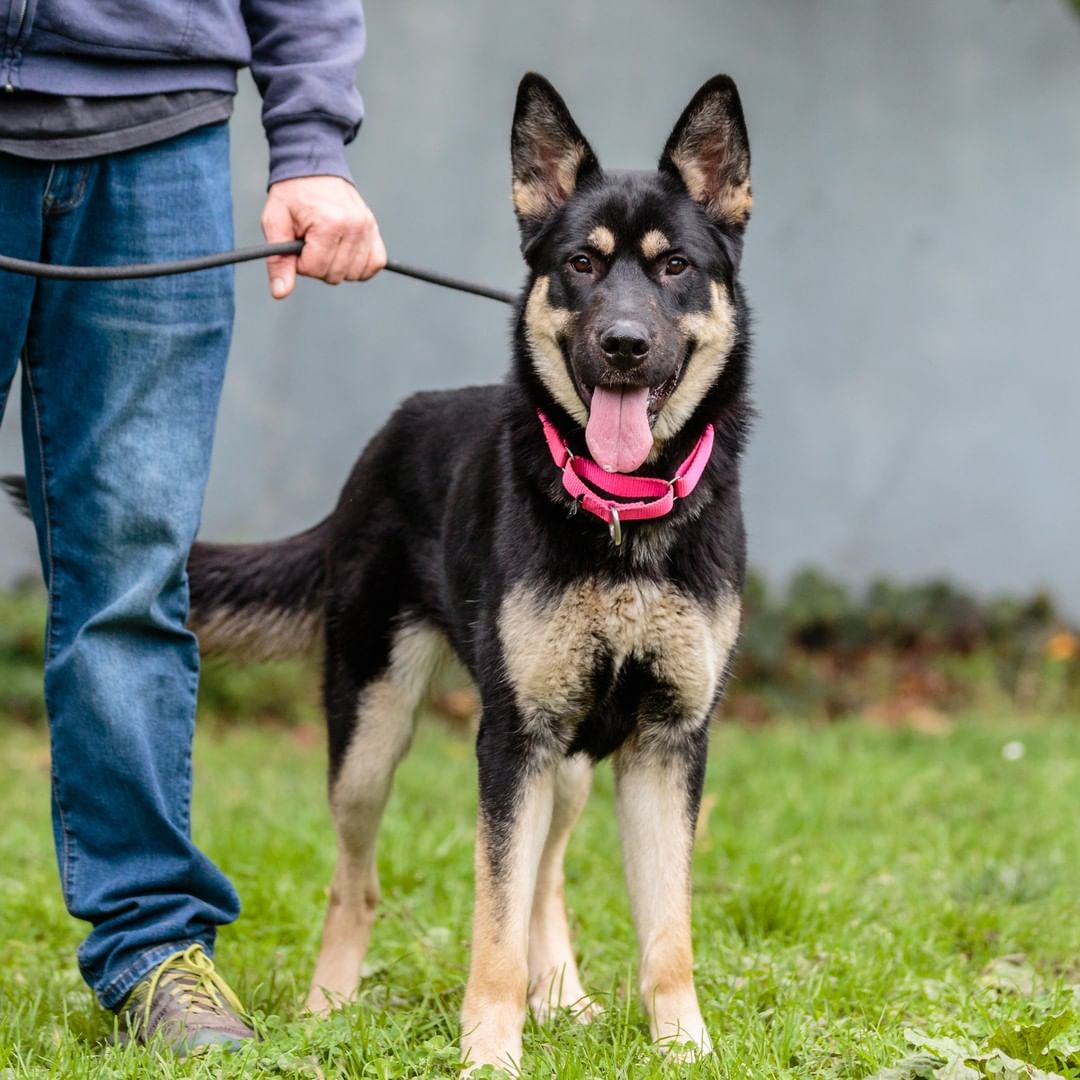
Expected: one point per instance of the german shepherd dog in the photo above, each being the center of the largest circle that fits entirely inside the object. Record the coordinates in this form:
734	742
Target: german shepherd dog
466	525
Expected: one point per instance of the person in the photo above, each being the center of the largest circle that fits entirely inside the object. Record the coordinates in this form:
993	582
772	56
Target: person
114	149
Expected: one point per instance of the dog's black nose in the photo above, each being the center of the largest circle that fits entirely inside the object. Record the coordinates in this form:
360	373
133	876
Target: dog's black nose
625	344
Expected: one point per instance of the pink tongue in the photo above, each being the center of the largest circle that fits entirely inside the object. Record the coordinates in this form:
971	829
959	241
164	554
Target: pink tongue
618	432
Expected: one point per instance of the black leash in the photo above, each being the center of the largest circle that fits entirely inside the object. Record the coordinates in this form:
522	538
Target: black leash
224	258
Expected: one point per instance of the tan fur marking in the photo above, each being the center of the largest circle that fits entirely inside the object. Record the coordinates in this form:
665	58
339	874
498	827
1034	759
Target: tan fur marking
537	195
258	633
544	326
551	647
729	202
493	1011
657	838
654	243
603	239
713	333
736	202
529	199
386	714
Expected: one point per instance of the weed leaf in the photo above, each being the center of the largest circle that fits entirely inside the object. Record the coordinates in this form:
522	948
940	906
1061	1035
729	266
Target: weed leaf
945	1049
916	1067
1031	1042
957	1069
1009	975
1002	1067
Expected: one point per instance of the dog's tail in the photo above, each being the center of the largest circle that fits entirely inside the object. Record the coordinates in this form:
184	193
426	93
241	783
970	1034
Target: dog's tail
15	489
259	601
249	601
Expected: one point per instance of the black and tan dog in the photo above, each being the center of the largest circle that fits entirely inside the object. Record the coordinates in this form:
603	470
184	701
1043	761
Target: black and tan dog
457	531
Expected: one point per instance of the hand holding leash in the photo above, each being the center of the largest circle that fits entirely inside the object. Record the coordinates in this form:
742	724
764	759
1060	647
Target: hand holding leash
341	236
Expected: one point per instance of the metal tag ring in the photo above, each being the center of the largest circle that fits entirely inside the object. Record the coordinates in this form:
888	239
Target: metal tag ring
615	526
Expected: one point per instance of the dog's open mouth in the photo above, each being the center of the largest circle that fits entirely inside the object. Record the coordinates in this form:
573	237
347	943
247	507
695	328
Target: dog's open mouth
621	418
659	394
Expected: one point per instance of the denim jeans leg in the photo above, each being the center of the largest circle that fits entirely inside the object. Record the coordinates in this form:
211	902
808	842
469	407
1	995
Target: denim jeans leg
22	188
121	389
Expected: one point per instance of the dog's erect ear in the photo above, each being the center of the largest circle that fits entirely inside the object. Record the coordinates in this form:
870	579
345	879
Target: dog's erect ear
709	150
549	154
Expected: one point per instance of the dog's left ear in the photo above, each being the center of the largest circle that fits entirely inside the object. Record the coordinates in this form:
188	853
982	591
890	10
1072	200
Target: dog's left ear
709	150
550	156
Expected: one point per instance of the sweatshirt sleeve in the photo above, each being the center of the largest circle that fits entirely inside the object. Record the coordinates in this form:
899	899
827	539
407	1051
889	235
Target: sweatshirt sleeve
303	57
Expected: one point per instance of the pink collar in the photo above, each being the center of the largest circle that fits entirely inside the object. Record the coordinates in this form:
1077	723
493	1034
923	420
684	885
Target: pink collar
655	497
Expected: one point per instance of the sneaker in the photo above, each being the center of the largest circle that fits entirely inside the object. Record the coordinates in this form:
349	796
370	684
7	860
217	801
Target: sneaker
186	1003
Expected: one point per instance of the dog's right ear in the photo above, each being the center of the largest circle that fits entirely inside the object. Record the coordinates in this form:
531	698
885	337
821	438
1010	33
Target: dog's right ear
549	154
709	150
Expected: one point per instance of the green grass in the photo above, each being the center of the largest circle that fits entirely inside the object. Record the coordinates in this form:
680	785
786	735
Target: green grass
849	883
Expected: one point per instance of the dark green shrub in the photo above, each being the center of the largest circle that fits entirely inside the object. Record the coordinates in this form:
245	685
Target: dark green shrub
816	648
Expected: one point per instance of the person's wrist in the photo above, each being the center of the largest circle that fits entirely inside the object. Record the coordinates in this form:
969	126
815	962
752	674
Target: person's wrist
314	176
309	147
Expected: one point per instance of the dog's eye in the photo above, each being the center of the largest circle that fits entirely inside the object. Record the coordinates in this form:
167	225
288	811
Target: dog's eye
675	265
582	264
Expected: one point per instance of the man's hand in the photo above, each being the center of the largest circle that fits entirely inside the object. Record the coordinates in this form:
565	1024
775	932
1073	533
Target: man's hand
340	234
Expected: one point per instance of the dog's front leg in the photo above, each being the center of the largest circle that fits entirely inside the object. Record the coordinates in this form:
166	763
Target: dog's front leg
554	982
658	793
516	798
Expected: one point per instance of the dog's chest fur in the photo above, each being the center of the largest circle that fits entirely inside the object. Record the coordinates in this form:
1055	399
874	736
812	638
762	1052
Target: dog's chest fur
567	655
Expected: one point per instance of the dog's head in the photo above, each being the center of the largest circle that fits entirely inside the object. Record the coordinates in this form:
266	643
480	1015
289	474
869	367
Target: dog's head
630	316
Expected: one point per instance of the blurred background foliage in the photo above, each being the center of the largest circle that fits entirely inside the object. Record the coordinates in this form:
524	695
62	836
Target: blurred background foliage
891	655
894	654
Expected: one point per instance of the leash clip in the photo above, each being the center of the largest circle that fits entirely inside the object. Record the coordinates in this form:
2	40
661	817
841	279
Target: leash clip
615	525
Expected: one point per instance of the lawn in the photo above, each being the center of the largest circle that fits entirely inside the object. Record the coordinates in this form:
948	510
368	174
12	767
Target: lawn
851	883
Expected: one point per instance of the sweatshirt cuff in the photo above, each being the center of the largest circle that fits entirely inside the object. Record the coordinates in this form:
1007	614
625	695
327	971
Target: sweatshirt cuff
307	147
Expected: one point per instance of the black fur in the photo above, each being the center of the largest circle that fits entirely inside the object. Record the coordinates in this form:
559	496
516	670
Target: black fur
456	500
227	577
15	489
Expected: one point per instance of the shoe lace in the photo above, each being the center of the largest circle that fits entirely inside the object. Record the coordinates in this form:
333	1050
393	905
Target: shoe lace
189	977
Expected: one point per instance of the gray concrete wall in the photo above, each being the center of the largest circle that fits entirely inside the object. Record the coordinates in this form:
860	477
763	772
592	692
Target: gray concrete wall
914	261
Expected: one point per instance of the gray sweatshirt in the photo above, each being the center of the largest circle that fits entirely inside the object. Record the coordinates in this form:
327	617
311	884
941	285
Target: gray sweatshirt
302	53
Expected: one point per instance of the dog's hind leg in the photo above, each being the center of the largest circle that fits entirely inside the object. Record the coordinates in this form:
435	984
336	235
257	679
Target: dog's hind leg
553	976
658	793
517	794
385	716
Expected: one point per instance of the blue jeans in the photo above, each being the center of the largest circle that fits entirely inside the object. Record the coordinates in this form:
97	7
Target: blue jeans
120	389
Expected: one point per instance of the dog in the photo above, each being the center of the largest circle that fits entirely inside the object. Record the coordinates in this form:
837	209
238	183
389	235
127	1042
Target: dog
575	536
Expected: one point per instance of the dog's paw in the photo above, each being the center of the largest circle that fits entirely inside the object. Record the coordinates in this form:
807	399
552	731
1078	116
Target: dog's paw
322	1002
683	1041
495	1061
559	989
492	1036
488	1072
582	1008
